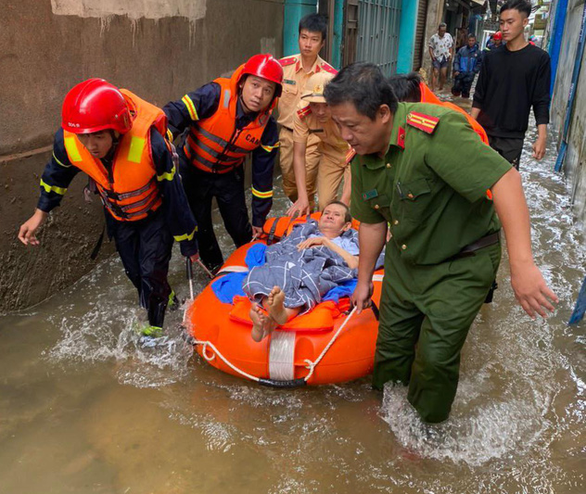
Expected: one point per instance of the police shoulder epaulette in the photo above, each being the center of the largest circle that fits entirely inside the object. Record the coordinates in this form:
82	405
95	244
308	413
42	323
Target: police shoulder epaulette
423	122
350	155
303	112
287	61
328	68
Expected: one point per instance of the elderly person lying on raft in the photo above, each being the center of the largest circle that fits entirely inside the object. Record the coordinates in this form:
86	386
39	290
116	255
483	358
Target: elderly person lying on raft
314	258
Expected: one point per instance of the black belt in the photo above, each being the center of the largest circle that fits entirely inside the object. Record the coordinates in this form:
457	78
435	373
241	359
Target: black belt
290	130
470	249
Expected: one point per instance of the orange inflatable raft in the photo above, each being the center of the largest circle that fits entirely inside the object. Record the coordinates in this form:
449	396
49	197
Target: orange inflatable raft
330	344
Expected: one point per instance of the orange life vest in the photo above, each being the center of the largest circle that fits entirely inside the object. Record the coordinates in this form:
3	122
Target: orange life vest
427	96
129	191
214	144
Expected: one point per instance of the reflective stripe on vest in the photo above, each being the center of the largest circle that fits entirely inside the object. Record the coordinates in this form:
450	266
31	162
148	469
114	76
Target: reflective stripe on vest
220	141
123	211
214	144
222	158
208	165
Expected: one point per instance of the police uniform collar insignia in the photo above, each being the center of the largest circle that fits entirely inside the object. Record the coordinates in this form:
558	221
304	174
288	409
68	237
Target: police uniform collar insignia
401	138
423	122
328	68
303	112
350	155
369	194
287	61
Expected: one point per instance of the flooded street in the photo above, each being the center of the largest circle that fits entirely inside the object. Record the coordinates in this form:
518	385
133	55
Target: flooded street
85	409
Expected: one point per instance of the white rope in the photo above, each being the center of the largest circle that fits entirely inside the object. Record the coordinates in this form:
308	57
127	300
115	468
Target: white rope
311	365
206	270
207	344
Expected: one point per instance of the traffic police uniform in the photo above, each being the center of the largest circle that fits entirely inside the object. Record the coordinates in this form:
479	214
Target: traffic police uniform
209	172
332	149
433	189
294	82
145	210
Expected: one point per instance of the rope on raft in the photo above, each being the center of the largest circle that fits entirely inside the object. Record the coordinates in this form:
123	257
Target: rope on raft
271	382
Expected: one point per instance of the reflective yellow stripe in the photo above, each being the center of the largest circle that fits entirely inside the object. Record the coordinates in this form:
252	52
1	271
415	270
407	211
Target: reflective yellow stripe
268	149
180	238
261	195
190	107
167	175
53	188
136	147
71	147
63	165
169	135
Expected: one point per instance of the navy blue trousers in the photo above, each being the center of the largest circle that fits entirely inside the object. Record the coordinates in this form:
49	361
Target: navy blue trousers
228	189
145	250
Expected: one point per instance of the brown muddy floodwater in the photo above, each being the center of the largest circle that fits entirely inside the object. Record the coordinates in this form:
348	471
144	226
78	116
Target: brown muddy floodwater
85	409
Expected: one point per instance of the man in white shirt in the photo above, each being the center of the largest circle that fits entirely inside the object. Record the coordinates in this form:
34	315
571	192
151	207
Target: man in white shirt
441	47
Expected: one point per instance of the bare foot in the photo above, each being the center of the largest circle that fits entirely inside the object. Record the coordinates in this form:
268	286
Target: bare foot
259	323
275	307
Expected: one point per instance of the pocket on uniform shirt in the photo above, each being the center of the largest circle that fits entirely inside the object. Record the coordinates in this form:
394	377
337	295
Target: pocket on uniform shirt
380	203
414	198
289	92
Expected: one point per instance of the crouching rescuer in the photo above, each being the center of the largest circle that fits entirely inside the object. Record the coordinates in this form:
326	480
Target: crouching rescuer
226	120
118	140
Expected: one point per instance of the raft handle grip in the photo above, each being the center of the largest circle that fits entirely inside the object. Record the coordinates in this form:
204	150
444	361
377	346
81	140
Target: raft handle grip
292	383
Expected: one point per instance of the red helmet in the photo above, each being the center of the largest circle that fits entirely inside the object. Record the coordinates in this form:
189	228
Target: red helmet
95	105
497	35
267	67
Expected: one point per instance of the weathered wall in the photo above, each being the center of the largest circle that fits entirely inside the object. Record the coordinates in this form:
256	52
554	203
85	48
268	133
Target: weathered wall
575	162
159	50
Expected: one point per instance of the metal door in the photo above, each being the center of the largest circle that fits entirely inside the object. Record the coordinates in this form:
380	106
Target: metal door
420	44
350	32
378	33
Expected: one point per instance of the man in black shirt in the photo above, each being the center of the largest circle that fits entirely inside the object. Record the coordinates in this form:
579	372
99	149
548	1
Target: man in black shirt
513	79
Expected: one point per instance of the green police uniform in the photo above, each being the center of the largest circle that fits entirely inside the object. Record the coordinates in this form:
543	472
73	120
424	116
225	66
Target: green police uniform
431	188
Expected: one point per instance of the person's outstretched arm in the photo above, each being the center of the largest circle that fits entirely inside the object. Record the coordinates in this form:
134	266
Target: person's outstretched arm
541	101
301	134
58	174
530	288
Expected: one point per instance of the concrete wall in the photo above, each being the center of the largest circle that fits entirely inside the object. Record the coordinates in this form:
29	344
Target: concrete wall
575	162
159	50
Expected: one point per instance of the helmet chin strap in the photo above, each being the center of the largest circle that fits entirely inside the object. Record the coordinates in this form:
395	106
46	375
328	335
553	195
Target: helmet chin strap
244	107
115	141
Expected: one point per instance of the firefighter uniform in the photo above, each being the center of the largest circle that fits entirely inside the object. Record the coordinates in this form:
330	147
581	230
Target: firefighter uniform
218	138
146	208
432	189
332	148
294	82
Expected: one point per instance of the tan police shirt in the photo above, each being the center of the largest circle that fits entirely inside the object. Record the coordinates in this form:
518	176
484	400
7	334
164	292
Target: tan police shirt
294	81
305	124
